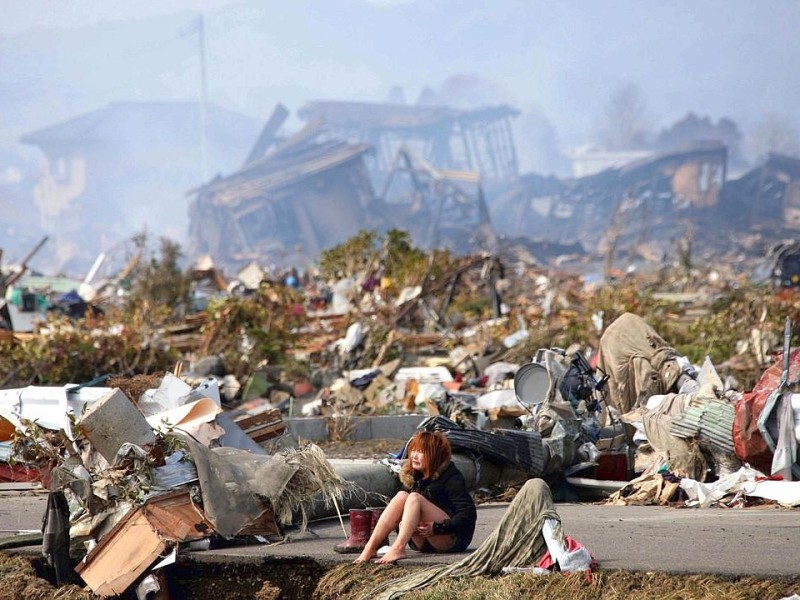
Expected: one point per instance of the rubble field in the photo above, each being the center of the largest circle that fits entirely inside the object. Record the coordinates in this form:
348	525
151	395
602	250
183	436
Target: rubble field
167	422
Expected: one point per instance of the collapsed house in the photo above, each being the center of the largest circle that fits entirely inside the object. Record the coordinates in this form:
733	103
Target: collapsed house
442	207
471	140
768	195
304	193
125	166
648	199
299	196
460	173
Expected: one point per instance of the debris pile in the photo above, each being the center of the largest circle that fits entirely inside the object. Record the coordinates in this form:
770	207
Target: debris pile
165	469
634	389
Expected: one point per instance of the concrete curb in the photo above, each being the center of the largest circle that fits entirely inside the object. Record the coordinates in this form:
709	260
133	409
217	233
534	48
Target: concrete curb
317	429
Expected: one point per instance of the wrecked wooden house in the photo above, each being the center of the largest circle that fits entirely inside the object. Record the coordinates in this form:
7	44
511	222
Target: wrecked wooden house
441	208
304	192
447	138
768	195
125	167
647	199
296	197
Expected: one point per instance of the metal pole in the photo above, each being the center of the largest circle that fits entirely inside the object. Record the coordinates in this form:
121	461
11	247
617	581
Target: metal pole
201	36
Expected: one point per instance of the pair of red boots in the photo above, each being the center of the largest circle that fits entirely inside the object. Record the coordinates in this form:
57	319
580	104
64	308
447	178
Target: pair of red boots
362	524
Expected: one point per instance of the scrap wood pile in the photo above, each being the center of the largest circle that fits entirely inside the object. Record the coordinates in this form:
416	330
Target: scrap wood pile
134	479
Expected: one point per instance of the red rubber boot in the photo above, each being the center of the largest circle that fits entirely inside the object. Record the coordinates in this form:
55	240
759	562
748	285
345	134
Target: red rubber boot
360	527
376	514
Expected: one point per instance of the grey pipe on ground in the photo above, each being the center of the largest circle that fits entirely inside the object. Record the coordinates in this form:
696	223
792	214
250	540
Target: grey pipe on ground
376	483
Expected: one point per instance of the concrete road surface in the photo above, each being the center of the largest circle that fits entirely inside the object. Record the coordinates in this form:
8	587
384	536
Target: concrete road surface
763	541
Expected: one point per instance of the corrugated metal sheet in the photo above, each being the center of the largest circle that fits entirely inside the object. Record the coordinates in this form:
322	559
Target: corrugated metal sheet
174	475
711	421
505	447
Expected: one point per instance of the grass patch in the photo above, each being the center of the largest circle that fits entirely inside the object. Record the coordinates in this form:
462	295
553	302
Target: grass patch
350	581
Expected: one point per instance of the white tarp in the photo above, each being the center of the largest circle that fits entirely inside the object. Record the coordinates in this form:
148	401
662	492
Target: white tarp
747	481
48	407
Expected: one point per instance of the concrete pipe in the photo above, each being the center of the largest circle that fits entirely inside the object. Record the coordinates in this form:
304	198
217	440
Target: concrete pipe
376	483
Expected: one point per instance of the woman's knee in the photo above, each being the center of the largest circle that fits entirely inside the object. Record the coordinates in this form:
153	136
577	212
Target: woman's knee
415	502
398	502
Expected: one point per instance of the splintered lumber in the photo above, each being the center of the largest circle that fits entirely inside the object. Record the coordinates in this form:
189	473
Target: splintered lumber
139	539
262	426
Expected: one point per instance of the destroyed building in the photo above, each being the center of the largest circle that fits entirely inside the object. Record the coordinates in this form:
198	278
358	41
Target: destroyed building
440	207
643	200
768	195
126	167
305	193
450	178
472	140
295	197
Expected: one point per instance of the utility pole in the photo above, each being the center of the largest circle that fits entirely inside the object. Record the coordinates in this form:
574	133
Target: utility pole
201	36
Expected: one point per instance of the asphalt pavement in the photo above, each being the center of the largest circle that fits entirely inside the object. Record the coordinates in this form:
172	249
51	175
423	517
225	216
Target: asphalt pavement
760	541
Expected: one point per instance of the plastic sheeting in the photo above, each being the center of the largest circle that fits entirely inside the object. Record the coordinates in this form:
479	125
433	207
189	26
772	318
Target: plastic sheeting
236	484
746	481
749	442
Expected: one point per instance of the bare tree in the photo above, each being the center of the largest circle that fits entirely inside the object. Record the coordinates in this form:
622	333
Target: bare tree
625	124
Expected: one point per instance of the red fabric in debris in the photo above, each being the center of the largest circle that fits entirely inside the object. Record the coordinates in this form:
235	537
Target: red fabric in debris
19	473
613	466
748	442
547	562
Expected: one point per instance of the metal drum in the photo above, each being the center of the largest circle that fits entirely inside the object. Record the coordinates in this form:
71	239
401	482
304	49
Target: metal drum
531	384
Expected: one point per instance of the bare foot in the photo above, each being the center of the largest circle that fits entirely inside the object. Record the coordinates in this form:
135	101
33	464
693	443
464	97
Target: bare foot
391	556
363	557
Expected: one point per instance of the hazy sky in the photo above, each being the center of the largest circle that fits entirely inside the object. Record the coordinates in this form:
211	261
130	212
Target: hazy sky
561	59
558	61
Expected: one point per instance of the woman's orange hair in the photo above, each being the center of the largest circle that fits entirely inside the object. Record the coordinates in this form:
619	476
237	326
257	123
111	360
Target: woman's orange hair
434	446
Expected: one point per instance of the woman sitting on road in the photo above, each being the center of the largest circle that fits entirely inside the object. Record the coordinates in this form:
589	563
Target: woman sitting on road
437	514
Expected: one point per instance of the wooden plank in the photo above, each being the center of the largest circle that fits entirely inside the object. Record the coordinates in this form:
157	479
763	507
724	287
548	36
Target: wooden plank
262	426
251	420
174	516
267	136
265	434
139	539
122	556
265	524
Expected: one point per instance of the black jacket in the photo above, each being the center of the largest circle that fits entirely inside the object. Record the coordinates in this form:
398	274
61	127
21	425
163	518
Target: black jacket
448	490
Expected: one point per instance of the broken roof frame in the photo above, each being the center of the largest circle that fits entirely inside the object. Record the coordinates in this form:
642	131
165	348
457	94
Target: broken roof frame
473	140
442	192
